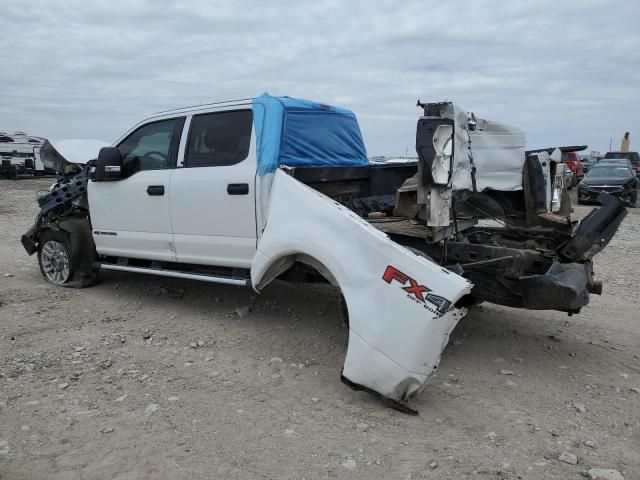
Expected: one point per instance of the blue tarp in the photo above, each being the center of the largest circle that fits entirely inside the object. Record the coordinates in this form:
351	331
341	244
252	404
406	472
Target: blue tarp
300	133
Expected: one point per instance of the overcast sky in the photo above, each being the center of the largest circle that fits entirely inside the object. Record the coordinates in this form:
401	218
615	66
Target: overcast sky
567	72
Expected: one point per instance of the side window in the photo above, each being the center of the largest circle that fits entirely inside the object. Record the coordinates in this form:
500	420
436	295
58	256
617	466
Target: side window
151	147
218	139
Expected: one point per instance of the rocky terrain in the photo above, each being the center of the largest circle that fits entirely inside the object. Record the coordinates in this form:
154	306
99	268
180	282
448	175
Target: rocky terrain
144	377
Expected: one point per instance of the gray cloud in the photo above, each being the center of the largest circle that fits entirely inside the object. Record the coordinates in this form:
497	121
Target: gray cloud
566	72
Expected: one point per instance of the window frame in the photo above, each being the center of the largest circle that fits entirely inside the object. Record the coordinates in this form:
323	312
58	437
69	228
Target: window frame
174	143
185	157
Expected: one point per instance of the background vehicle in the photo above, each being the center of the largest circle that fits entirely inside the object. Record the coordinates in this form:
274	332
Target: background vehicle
248	191
634	157
617	161
588	162
20	155
613	176
573	162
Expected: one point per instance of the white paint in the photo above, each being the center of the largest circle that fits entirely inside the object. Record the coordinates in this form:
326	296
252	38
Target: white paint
211	227
78	151
141	223
394	341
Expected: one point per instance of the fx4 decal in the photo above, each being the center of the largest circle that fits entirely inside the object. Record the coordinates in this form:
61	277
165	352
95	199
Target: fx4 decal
417	292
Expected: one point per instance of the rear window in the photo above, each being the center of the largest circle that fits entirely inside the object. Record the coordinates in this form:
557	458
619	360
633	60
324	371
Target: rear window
633	156
219	139
614	171
570	157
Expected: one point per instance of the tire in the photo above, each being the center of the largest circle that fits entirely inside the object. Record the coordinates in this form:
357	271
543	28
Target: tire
59	265
634	200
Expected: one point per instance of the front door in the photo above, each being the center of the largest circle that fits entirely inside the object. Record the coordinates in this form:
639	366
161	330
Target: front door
212	197
130	217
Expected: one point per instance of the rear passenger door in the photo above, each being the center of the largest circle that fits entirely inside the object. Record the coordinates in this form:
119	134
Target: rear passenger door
212	199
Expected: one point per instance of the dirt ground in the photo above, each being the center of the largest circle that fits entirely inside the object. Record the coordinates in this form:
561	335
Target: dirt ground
145	377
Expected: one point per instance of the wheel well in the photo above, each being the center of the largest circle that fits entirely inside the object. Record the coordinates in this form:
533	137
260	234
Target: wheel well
302	268
297	267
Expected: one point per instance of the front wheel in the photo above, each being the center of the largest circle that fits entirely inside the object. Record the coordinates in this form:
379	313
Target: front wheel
58	264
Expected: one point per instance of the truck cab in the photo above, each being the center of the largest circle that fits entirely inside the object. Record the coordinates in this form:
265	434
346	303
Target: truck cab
187	183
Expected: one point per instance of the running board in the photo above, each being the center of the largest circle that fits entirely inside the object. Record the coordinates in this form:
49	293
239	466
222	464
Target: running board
243	282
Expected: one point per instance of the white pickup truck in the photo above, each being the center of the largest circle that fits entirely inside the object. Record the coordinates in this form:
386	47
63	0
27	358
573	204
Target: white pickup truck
247	191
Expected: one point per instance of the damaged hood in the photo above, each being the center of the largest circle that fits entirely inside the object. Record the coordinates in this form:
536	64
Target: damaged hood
68	156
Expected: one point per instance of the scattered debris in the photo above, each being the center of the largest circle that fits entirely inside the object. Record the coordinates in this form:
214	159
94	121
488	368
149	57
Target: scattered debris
569	458
173	399
62	386
605	474
580	407
590	443
106	430
506	372
8	275
635	390
151	408
349	464
119	399
4	447
275	360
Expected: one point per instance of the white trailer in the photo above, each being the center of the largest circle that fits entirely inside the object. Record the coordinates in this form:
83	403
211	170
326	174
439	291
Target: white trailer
20	155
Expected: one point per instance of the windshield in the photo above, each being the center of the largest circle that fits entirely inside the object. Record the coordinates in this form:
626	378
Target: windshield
609	171
628	155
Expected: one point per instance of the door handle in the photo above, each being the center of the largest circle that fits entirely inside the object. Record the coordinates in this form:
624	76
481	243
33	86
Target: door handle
238	189
155	190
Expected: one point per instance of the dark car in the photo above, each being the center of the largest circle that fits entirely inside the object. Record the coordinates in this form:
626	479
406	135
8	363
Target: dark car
617	179
634	157
616	161
588	162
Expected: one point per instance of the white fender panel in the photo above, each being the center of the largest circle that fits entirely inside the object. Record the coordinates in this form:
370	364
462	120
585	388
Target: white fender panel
400	304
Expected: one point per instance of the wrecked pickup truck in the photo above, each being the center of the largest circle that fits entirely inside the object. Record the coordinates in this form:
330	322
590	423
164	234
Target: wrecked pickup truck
245	192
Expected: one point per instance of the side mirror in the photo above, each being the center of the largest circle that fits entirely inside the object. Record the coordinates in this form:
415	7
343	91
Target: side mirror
109	165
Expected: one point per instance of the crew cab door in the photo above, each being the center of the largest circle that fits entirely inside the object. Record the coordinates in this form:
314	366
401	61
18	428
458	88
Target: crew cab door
130	216
212	196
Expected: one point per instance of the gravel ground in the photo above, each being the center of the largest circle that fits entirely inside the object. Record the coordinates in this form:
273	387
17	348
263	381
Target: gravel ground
145	377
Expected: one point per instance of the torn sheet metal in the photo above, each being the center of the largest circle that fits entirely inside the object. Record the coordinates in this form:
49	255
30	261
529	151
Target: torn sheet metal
401	306
491	152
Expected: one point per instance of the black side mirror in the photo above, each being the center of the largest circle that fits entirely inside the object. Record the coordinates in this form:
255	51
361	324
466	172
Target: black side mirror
109	165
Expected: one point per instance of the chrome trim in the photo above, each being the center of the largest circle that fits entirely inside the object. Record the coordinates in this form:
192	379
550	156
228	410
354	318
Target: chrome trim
243	282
